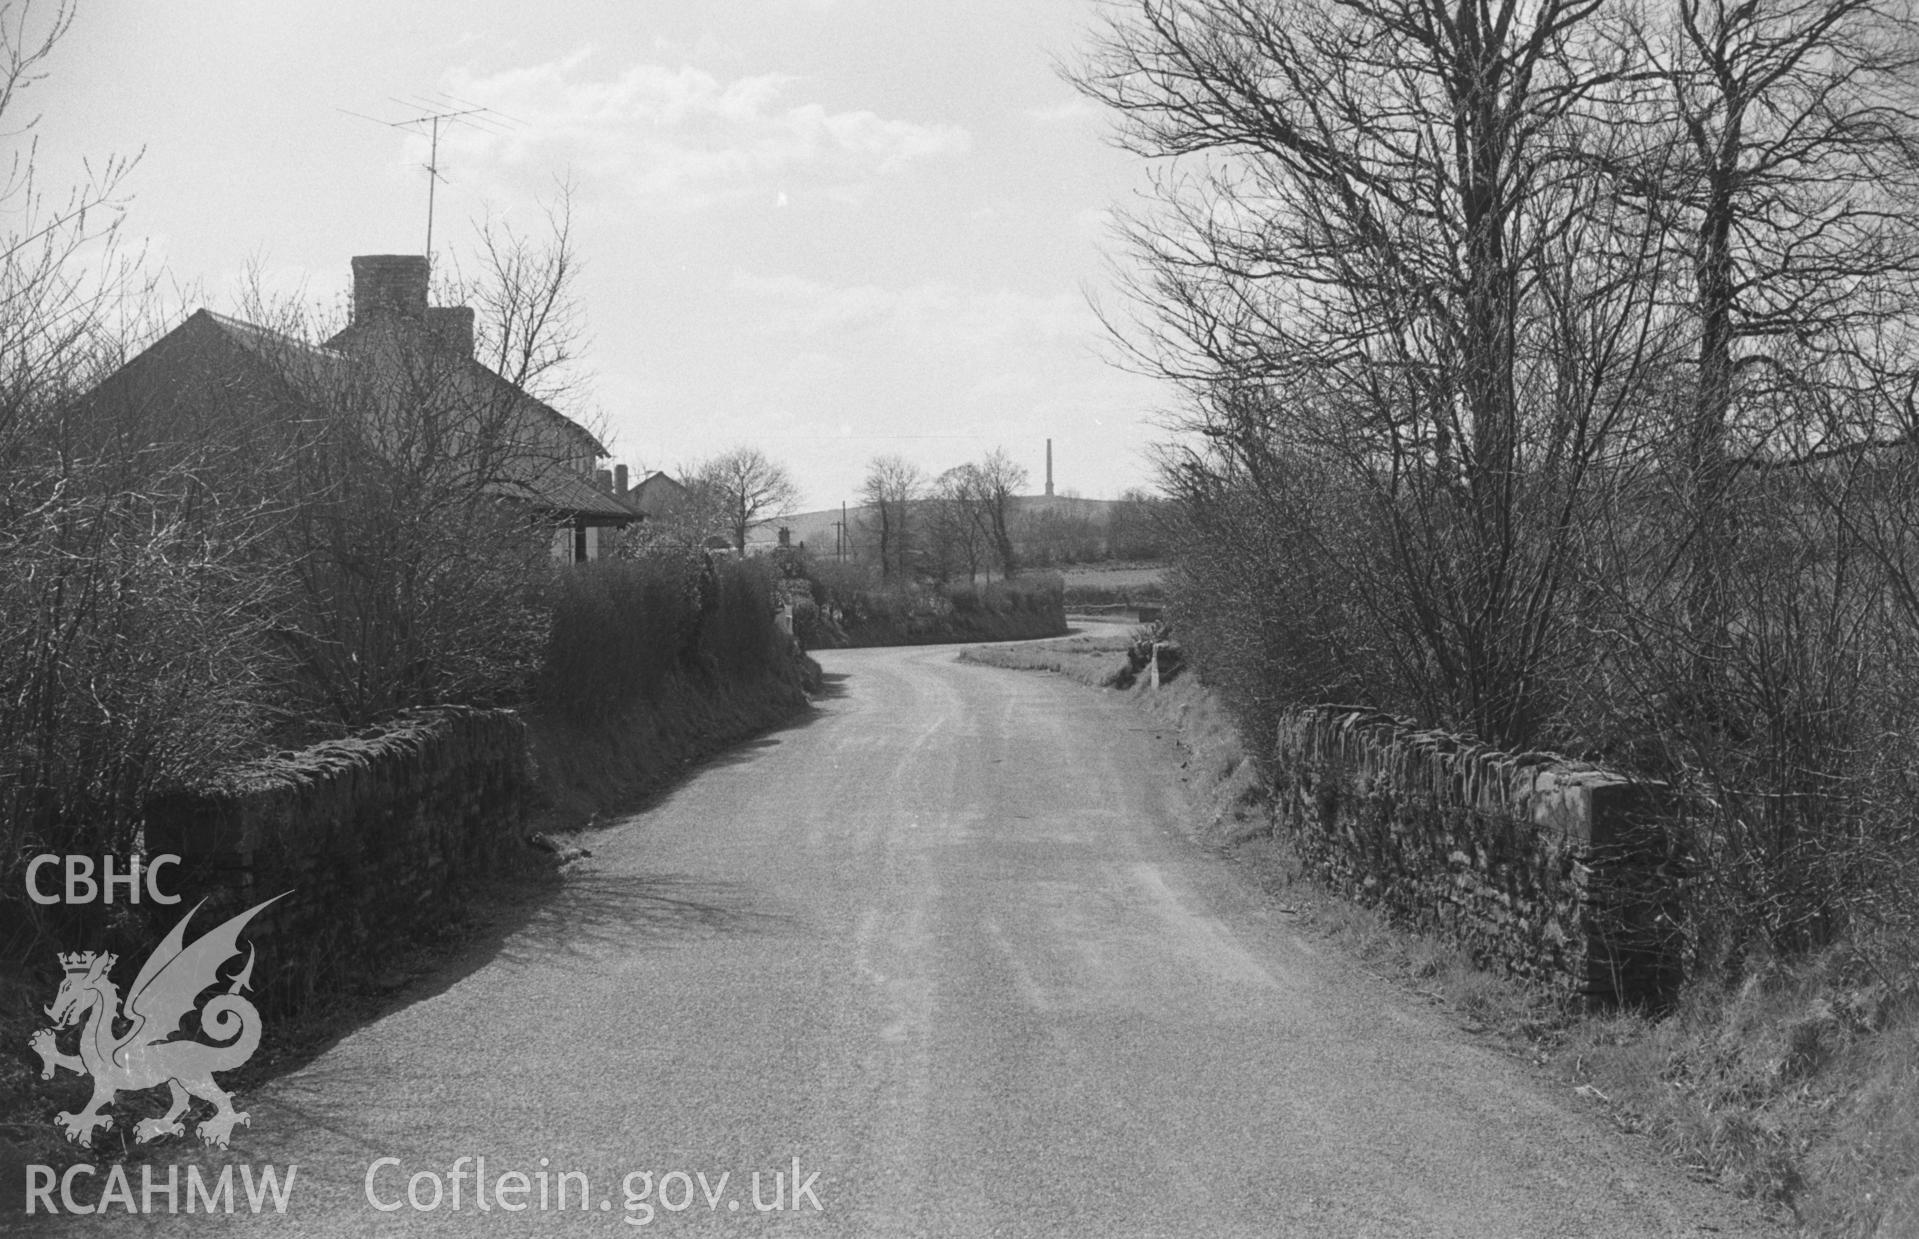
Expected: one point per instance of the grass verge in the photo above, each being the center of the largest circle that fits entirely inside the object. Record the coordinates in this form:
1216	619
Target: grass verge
1090	657
589	770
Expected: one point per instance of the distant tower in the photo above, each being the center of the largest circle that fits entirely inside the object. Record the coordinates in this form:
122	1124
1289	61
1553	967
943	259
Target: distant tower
1049	468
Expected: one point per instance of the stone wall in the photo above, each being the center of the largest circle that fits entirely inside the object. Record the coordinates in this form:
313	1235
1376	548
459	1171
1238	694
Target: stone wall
373	837
1563	873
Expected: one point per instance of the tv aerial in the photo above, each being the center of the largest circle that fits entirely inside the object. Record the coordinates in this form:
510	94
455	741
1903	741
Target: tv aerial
435	113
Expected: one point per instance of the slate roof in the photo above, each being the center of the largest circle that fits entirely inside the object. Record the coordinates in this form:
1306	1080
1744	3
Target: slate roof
301	366
557	490
276	347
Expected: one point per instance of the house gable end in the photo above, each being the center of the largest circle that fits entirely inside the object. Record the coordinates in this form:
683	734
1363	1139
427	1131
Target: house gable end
195	384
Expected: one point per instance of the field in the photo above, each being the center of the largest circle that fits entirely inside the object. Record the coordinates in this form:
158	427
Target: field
1117	589
1115	576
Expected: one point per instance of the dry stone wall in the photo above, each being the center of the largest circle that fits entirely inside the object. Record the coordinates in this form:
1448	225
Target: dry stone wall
1563	873
373	837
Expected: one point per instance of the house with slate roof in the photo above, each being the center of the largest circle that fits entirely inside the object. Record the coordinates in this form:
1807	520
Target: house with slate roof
403	369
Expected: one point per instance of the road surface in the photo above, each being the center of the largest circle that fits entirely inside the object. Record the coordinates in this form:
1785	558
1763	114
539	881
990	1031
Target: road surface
937	962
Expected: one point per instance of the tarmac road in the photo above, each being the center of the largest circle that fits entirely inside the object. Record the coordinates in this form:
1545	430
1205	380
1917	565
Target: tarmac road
944	948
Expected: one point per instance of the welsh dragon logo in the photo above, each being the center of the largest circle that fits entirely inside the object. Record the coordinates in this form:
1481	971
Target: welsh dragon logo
144	1056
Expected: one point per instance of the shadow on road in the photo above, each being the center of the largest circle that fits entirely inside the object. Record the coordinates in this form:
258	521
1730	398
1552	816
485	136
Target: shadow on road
740	754
573	919
609	913
537	915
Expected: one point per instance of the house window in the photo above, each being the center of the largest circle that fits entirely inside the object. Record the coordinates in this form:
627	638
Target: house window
579	541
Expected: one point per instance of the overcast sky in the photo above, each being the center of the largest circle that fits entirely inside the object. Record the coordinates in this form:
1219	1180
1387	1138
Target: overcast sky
829	228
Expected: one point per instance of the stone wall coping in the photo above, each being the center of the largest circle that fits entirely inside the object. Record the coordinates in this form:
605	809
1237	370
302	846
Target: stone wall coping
409	732
1464	771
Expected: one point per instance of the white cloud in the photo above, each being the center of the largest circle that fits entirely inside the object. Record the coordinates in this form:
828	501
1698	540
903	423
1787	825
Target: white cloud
682	137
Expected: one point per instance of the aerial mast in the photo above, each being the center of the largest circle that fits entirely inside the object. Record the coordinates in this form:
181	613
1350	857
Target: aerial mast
434	116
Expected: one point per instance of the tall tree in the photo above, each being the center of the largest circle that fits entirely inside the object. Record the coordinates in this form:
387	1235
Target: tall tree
748	488
956	524
1787	178
1378	256
997	480
893	485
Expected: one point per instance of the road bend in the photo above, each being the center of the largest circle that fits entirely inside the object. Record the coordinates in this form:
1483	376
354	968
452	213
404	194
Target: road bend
938	961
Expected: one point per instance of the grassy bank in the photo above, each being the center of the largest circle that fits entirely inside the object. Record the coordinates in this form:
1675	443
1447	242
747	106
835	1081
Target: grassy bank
1797	1086
652	665
1090	657
596	769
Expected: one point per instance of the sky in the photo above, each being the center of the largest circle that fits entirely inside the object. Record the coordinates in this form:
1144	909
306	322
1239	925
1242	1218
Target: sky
830	229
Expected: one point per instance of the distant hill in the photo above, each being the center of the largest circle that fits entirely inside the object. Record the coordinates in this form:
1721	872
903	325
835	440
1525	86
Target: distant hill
816	529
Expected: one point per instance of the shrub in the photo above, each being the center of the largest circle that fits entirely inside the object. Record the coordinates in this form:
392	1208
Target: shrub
619	629
623	628
858	607
136	653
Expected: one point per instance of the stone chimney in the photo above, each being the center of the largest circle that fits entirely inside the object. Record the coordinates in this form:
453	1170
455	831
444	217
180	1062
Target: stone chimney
619	479
451	328
603	480
389	286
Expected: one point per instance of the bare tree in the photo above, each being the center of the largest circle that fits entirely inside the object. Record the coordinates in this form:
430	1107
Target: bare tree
1057	533
128	612
1551	371
1135	527
893	486
420	518
53	327
956	525
1380	256
528	324
1787	165
997	480
748	488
